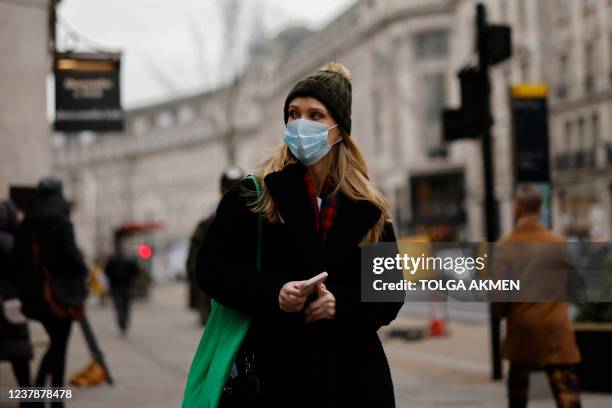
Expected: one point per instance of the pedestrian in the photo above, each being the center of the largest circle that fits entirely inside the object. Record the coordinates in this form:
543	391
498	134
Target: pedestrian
52	275
15	345
318	207
198	299
539	334
121	270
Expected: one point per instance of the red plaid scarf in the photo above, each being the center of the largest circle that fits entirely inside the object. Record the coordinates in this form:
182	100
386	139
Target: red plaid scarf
324	217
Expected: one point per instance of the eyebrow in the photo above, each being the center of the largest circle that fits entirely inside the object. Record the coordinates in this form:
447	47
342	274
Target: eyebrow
310	109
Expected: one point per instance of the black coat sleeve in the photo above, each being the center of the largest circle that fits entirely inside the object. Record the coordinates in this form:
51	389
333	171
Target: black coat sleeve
226	261
369	315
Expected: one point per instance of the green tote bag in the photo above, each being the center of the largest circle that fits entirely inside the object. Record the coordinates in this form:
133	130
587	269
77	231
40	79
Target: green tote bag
219	345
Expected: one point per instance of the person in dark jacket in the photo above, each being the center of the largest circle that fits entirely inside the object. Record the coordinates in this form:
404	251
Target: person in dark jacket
15	343
197	298
121	270
319	207
46	246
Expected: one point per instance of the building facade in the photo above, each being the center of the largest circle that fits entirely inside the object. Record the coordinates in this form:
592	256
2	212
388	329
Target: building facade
404	56
579	53
25	153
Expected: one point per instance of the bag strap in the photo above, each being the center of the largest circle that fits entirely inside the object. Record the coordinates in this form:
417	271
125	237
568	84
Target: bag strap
260	220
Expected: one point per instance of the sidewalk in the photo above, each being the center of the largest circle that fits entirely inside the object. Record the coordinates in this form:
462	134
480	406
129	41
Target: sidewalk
150	365
455	371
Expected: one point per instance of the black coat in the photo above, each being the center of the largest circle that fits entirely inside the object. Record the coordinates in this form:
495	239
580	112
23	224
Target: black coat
326	363
122	270
48	219
14	338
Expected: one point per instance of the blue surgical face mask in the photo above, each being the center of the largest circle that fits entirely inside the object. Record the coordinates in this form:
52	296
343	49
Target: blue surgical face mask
307	140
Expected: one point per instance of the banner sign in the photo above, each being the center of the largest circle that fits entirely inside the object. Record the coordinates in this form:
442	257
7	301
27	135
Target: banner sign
87	92
530	128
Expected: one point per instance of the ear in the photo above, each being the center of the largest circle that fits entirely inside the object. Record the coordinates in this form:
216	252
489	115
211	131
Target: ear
339	135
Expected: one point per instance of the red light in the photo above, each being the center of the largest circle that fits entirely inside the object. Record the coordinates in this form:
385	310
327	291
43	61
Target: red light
145	251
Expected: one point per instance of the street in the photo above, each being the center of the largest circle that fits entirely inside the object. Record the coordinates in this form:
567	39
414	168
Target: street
150	365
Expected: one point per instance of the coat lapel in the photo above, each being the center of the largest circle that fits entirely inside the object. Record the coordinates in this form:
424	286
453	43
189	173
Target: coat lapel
353	220
288	189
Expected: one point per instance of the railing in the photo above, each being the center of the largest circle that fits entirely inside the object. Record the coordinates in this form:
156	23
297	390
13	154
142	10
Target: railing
577	160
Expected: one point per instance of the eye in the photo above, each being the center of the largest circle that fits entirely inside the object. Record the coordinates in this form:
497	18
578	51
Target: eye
316	116
294	115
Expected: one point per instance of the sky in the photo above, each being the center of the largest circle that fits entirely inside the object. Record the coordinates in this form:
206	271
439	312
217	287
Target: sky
174	47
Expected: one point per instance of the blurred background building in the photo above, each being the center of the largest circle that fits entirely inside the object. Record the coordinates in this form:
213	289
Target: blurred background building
404	56
578	55
24	128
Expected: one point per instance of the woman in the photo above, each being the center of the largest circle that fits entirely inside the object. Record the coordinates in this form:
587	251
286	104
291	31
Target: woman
46	245
319	207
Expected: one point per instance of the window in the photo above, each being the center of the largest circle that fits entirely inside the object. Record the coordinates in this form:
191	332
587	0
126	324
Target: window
563	77
567	146
432	44
564	10
164	119
581	135
503	10
185	114
377	120
434	96
522	12
610	45
524	67
140	125
589	5
573	142
589	79
594	130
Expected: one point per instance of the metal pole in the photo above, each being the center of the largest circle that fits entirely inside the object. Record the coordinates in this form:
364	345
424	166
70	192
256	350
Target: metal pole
489	201
95	350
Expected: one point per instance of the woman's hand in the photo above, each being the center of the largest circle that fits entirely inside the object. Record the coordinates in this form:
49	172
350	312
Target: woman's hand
290	298
322	308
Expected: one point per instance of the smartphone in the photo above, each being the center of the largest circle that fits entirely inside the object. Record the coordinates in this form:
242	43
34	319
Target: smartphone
309	286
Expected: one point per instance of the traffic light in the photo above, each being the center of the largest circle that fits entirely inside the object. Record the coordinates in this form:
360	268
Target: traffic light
499	43
473	119
145	251
467	121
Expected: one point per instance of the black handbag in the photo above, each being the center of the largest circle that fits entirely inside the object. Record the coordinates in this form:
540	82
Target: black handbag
242	389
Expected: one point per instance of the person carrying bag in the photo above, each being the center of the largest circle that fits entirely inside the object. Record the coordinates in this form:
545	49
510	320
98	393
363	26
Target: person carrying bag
307	342
51	275
221	374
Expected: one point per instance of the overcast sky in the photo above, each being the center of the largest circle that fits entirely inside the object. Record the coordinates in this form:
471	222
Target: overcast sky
171	47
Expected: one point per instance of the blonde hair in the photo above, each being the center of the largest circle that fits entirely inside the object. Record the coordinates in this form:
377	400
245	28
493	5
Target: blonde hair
348	173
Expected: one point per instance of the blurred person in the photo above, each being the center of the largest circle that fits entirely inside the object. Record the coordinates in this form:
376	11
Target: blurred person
318	206
539	334
197	298
98	284
121	270
15	345
52	275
